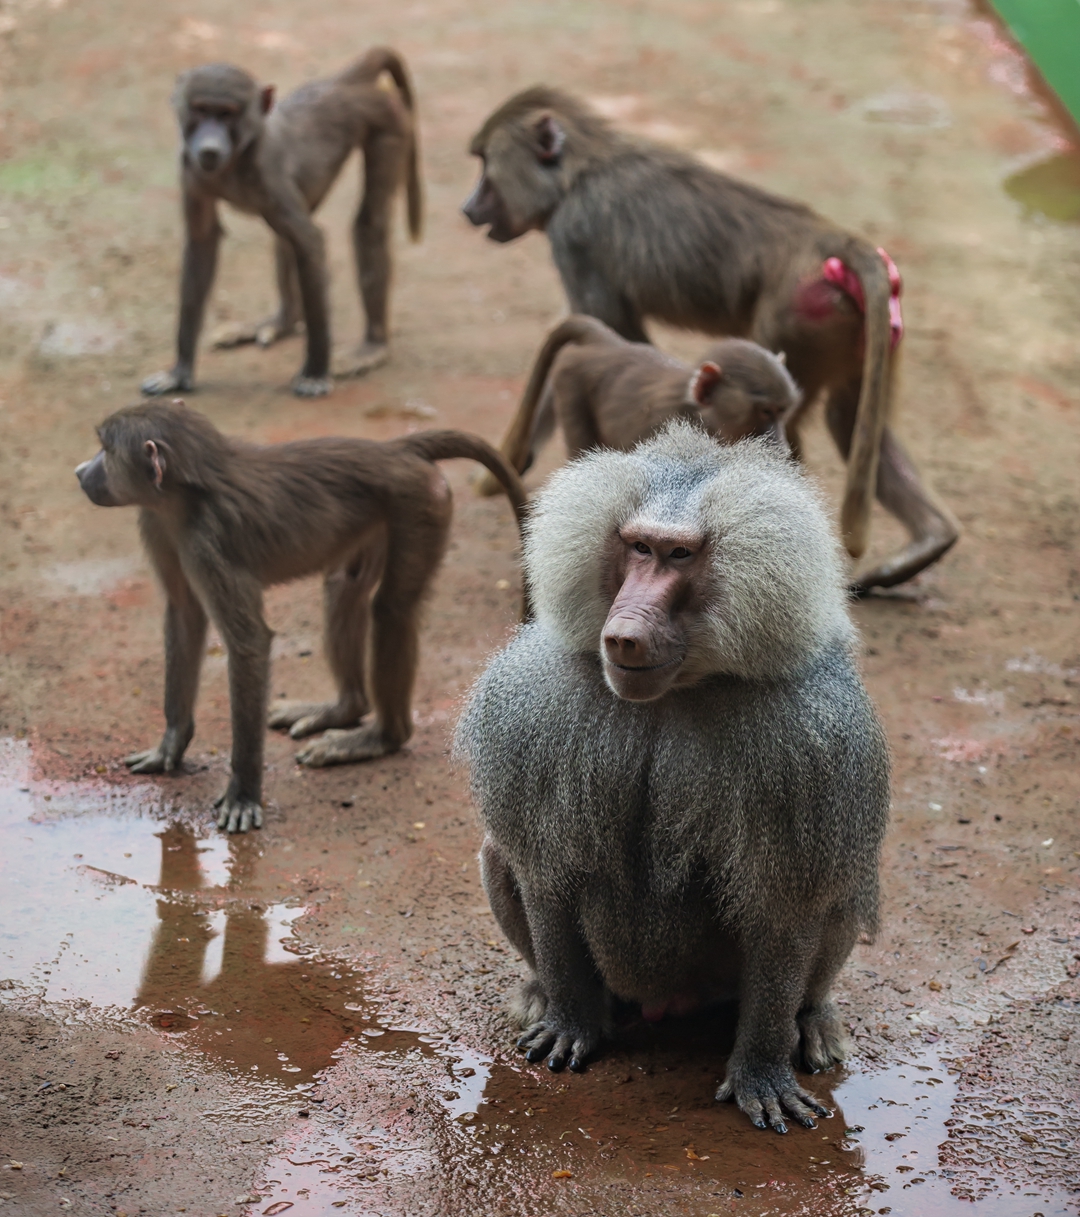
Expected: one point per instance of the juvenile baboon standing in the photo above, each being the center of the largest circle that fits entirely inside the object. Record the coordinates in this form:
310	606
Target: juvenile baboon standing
682	783
641	230
279	162
222	519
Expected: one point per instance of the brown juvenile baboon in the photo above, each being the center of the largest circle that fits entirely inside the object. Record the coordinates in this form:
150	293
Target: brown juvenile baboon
607	392
280	163
682	782
641	230
221	519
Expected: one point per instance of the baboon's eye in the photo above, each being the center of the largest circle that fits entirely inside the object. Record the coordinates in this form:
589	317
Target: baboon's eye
642	548
680	551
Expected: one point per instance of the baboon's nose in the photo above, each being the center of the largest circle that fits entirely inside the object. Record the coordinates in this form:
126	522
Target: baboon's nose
209	159
623	648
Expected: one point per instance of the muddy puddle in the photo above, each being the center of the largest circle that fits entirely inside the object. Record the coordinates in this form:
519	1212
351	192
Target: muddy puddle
116	905
1050	187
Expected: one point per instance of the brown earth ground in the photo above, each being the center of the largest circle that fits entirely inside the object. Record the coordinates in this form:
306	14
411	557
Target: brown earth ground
167	1046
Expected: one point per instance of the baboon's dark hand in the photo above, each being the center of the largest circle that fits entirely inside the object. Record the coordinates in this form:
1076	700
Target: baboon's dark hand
765	1091
560	1045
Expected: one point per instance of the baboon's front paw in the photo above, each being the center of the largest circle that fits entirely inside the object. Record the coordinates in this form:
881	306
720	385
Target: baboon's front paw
343	747
561	1045
365	358
823	1041
238	813
764	1092
165	382
312	386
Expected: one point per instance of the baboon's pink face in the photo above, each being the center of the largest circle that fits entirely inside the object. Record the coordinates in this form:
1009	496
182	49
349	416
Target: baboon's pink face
656	579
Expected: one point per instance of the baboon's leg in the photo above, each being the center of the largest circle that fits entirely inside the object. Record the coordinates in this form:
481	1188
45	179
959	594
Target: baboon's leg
291	221
807	373
384	162
574	1012
237	612
573	406
505	900
201	240
346	616
414	550
529	1003
932	527
822	1039
285	321
542	428
185	644
777	964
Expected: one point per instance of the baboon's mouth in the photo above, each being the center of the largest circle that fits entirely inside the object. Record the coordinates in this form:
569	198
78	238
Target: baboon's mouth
656	667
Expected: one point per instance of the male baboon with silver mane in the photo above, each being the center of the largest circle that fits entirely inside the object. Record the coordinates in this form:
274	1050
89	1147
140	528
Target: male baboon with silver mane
681	779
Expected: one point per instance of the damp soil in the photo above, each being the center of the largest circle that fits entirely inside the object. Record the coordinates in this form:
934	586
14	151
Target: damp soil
310	1019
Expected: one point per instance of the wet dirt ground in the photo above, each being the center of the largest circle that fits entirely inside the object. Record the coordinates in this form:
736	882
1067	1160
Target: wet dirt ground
310	1019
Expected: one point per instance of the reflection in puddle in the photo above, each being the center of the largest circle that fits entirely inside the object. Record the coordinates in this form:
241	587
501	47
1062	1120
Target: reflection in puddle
1051	187
112	908
640	1126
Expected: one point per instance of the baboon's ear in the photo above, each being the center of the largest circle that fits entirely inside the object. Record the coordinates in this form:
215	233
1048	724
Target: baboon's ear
157	462
266	98
550	138
704	380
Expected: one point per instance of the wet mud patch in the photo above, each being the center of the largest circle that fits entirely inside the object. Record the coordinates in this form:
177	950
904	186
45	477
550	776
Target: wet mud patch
114	900
639	1131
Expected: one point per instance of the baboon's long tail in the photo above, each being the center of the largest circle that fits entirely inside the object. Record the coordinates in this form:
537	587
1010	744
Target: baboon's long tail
517	443
446	445
385	59
873	408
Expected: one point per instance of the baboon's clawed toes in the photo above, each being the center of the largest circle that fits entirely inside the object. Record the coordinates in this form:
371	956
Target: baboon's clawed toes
560	1047
765	1092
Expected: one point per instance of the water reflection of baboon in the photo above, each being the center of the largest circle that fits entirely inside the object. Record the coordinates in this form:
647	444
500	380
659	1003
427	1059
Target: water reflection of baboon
251	1012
